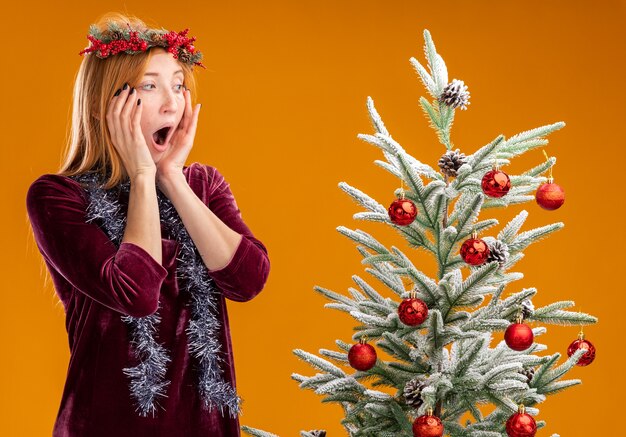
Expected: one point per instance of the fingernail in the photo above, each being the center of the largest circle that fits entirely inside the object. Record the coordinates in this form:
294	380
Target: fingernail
138	102
132	90
117	93
125	86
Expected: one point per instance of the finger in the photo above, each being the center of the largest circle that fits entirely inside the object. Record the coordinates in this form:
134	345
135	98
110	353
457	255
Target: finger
194	122
113	116
125	116
119	101
112	101
109	116
187	115
136	120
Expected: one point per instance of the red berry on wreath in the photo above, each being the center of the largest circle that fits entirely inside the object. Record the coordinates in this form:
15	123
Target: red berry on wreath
428	426
518	336
588	357
402	211
496	183
521	424
412	311
550	196
362	356
474	251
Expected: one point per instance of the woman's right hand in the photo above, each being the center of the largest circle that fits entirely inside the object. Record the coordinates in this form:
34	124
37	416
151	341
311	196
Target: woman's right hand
123	120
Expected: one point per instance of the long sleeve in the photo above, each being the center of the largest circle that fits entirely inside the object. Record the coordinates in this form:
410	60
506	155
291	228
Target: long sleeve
127	280
246	273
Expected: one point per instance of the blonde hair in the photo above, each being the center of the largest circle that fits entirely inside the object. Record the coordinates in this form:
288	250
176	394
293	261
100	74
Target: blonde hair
89	147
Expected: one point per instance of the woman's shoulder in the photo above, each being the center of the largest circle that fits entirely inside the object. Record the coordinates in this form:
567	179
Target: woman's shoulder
206	173
50	190
52	183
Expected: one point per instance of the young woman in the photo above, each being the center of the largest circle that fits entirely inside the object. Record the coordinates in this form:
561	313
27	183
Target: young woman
143	250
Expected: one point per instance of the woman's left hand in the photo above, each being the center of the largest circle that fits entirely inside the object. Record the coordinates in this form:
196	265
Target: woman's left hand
174	158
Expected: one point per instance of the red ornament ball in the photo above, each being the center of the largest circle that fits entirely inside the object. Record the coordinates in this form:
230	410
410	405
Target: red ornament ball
362	356
588	356
412	311
427	426
496	183
518	336
521	424
474	251
550	196
402	212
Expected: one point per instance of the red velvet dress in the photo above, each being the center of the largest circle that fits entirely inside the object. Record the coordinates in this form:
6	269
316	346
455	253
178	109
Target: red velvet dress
99	283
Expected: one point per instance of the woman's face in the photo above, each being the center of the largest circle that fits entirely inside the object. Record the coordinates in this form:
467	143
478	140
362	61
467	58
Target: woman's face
161	93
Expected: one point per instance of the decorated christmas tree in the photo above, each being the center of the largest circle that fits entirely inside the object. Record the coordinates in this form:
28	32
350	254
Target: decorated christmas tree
439	331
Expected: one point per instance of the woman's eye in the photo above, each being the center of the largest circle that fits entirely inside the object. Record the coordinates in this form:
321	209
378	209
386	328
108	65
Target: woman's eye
180	86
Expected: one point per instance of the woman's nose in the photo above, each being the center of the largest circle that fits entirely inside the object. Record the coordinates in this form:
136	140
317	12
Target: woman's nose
169	103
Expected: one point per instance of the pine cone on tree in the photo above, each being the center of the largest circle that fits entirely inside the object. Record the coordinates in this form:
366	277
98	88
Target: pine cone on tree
498	251
451	161
318	433
412	392
455	95
528	373
527	308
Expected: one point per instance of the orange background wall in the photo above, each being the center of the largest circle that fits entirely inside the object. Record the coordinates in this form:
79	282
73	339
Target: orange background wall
283	101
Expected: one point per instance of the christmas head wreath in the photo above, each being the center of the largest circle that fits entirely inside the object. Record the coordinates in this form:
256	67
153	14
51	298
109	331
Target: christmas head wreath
117	39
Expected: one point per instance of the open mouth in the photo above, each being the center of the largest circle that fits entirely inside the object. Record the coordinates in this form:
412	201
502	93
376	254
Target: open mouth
162	135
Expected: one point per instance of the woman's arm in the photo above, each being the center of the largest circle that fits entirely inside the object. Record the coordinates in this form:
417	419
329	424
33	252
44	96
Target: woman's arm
236	260
143	225
126	279
215	241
